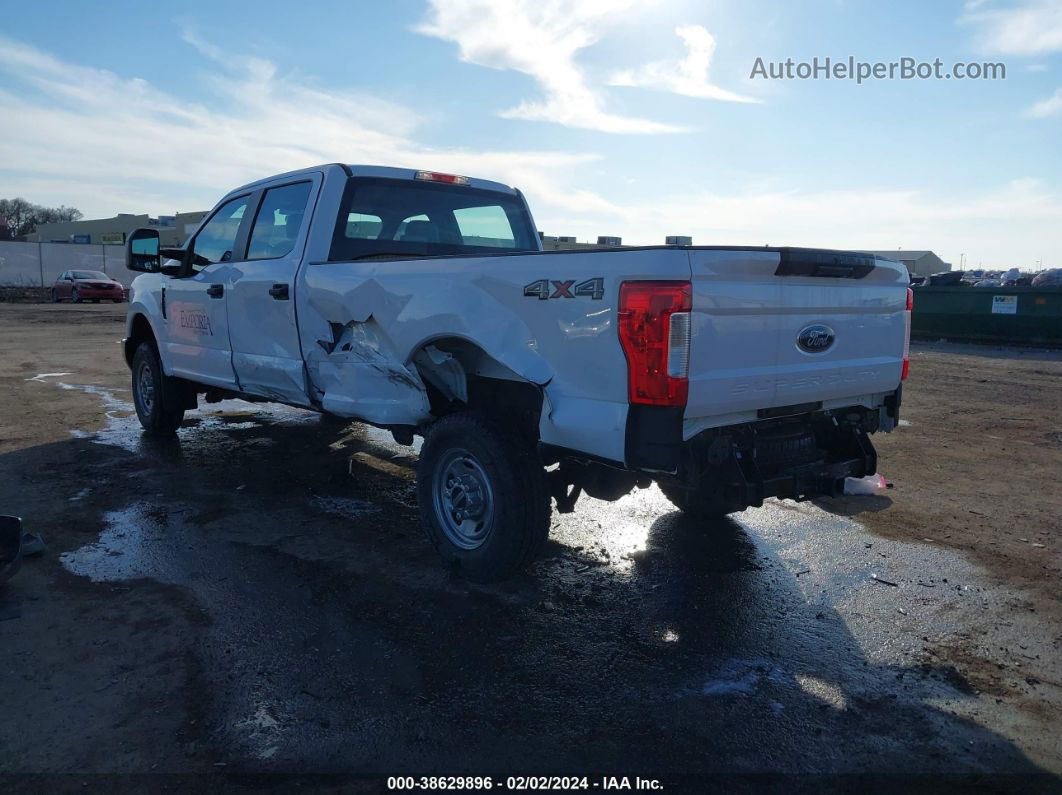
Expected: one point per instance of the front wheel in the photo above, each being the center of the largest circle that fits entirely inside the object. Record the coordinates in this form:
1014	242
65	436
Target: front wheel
482	496
75	296
55	296
156	396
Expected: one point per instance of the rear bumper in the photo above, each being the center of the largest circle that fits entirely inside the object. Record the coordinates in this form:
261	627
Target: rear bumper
800	455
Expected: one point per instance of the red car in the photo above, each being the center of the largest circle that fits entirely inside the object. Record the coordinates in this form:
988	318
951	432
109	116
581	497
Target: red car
81	286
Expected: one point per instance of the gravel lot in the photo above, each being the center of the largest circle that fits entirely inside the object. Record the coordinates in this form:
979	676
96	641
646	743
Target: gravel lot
257	598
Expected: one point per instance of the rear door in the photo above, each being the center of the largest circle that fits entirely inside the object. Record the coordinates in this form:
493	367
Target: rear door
197	331
261	301
777	328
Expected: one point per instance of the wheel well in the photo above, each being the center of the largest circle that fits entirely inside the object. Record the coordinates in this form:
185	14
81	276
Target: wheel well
141	332
459	375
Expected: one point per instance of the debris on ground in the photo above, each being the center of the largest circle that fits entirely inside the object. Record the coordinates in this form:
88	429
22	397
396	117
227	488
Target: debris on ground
33	544
883	581
862	487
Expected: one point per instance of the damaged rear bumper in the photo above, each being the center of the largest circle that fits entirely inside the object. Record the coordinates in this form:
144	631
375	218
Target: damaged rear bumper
798	457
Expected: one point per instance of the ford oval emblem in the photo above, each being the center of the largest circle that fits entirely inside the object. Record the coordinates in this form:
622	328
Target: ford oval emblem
815	339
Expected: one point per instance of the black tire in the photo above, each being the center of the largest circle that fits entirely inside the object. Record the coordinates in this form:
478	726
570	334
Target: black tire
160	409
95	300
512	507
75	296
694	503
117	300
55	296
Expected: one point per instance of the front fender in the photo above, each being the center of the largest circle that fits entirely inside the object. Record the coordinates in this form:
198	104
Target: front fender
145	300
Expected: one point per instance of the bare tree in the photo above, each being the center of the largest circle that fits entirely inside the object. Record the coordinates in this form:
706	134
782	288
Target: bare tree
19	217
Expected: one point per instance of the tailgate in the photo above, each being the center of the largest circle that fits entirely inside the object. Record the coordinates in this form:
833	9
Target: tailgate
782	327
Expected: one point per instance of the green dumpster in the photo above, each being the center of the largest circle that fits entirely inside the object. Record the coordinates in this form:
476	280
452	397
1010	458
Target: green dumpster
1022	315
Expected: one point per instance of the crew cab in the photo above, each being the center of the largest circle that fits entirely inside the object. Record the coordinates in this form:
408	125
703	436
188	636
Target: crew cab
422	303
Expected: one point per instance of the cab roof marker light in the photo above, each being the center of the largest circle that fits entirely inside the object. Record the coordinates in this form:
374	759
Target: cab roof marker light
434	176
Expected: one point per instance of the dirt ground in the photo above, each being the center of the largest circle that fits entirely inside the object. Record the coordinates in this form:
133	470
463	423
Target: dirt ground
977	467
238	604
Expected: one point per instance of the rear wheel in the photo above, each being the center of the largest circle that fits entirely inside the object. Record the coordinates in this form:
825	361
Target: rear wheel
694	503
156	396
483	498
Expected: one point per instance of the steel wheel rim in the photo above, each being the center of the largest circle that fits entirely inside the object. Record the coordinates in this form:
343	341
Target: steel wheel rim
463	499
145	387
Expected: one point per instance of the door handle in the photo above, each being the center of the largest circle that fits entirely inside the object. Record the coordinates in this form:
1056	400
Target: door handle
216	290
279	292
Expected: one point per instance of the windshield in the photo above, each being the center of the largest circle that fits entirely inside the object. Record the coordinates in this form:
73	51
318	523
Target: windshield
403	217
91	275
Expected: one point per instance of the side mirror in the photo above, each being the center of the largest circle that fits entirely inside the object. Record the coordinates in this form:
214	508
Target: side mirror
142	251
178	254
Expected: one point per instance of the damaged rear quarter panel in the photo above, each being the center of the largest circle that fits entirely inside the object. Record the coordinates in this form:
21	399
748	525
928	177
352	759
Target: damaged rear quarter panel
362	322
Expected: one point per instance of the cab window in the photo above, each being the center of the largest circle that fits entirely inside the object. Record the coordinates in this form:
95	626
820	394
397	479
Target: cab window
278	222
217	239
486	225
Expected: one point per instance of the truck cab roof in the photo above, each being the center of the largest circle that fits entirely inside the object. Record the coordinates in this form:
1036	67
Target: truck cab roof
379	172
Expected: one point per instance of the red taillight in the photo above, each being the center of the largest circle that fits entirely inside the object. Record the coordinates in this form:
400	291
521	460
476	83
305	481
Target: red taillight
654	330
434	176
907	334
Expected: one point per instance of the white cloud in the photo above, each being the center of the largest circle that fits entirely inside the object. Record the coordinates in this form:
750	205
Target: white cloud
539	38
688	76
106	143
87	137
1025	27
1045	108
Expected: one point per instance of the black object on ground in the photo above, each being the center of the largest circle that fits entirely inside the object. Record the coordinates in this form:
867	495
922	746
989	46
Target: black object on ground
10	546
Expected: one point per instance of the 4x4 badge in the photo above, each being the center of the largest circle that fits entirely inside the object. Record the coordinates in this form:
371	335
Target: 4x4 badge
544	289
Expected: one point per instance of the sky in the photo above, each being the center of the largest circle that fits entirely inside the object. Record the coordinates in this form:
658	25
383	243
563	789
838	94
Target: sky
624	117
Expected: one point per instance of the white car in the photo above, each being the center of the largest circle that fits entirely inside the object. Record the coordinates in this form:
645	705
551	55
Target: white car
421	303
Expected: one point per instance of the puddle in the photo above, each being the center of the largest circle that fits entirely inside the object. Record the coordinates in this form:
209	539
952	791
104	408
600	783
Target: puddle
740	678
135	542
122	428
42	376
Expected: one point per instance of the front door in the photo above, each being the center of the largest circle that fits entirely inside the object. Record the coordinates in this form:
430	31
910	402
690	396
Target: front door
197	328
63	285
261	306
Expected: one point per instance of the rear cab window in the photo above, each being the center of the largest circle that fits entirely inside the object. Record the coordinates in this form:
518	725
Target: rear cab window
405	217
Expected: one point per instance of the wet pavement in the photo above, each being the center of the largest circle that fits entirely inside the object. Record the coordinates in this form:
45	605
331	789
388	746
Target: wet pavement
327	638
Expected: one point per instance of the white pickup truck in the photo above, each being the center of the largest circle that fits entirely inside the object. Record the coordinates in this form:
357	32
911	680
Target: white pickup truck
422	303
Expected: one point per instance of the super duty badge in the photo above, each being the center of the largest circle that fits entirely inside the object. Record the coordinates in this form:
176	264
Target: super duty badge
541	289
